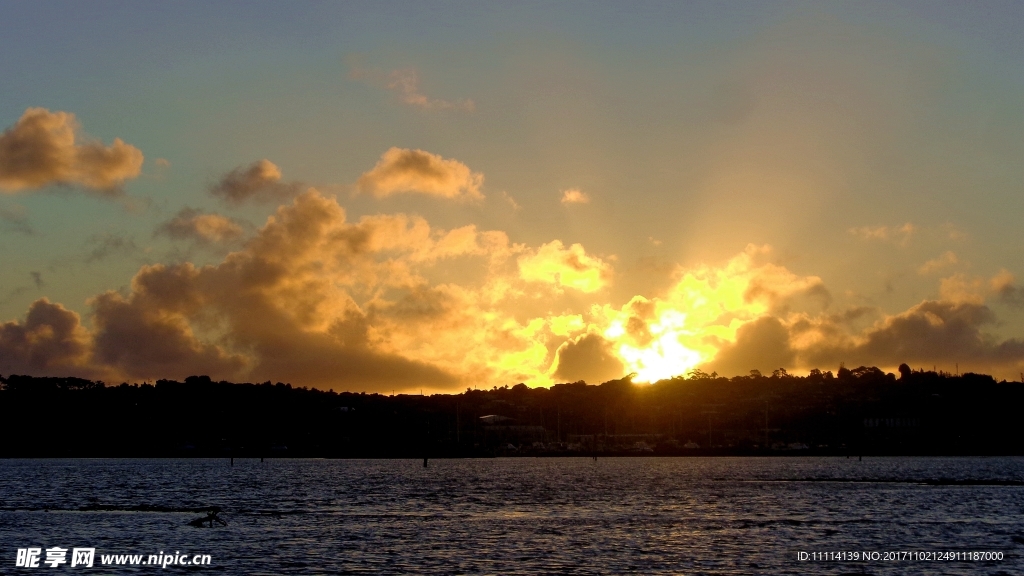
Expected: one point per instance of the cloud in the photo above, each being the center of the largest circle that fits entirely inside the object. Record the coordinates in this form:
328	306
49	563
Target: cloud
743	334
780	289
899	234
761	344
50	342
752	313
404	170
962	288
569	267
471	333
589	357
1005	286
703	312
16	219
511	201
41	150
107	244
257	182
574	196
37	279
148	333
316	300
192	224
946	259
405	83
389	302
277	300
953	233
934	332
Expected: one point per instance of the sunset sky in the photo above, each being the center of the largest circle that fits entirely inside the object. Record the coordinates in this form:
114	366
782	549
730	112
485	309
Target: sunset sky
401	196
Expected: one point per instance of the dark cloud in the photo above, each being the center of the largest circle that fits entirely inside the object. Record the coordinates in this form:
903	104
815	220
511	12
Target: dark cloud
761	344
588	358
41	150
15	219
107	244
50	342
257	182
1012	295
932	332
142	339
1006	289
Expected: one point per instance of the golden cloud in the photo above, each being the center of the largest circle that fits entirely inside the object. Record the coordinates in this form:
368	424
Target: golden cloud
285	308
702	313
190	223
962	288
403	170
946	259
388	302
574	196
570	267
898	234
44	148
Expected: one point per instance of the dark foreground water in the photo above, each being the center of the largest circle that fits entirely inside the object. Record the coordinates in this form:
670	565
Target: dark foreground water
522	516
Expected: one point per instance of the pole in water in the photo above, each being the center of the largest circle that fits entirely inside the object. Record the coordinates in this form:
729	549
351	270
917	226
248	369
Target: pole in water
232	460
424	461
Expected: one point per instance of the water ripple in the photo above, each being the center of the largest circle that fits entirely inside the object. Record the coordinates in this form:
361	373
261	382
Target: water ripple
524	516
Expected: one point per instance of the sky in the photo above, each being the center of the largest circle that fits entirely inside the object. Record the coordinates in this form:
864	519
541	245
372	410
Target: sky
392	196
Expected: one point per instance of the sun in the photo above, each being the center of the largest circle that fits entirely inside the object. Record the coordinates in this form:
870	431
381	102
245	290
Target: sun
664	355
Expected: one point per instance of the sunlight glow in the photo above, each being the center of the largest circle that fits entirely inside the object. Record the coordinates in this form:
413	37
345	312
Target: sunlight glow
665	356
664	337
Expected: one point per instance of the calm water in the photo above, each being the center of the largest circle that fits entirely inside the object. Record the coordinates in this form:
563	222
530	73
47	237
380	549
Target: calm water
520	516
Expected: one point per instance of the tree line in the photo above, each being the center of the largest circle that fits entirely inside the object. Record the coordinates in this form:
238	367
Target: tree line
854	411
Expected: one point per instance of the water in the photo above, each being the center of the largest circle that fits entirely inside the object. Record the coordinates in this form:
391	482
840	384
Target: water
521	515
